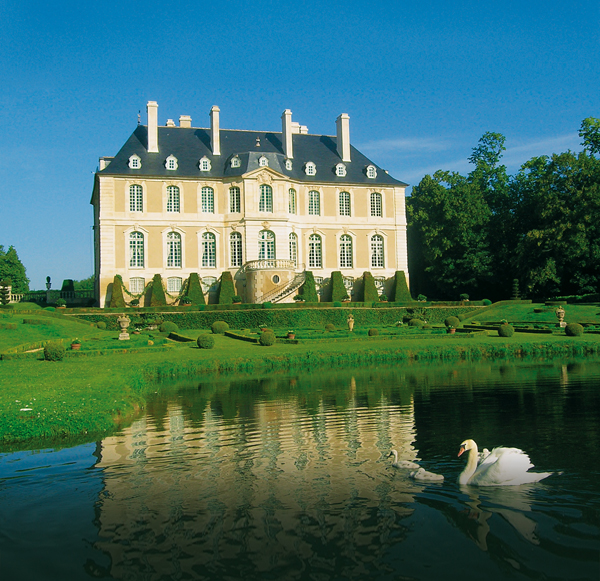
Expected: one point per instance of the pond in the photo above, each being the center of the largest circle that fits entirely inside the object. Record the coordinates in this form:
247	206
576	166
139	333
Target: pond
288	477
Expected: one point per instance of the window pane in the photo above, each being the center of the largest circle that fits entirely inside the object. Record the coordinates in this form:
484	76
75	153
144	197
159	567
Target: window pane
234	200
345	251
174	284
294	248
136	250
292	201
136	285
136	198
266	245
172	199
173	250
377	252
314	203
314	251
208	200
235	243
209	250
376	207
266	199
344	204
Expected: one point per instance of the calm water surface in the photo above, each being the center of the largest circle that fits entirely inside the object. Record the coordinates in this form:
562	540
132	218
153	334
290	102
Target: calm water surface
287	477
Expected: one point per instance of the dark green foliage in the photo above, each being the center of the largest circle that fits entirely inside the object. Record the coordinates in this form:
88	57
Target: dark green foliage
464	297
370	294
308	290
383	298
267	305
185	301
168	327
117	301
236	298
574	330
452	322
337	304
54	351
205	341
157	298
61	303
506	330
267	338
486	302
338	290
194	290
12	269
373	332
101	325
219	327
416	322
401	292
330	327
226	290
68	286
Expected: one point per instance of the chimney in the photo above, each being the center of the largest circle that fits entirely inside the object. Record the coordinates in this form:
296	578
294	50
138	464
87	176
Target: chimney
215	135
152	109
185	121
286	133
343	136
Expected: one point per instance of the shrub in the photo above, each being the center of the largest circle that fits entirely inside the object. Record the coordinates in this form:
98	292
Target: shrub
219	327
337	304
157	296
117	301
267	305
205	341
416	323
63	303
506	330
236	298
452	322
54	351
401	292
373	332
383	298
330	327
308	290
168	327
134	303
194	290
185	300
422	298
338	290
267	338
574	330
464	297
101	325
370	294
226	290
486	302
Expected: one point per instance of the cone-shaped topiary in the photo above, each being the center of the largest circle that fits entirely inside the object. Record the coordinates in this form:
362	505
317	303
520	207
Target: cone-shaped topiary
226	289
157	298
194	290
338	290
308	290
369	289
401	292
116	300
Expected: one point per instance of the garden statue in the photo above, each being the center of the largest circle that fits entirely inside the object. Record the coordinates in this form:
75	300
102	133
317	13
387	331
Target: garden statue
123	321
560	315
350	322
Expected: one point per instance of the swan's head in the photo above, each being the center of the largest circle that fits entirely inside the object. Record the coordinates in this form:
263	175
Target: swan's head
467	445
393	453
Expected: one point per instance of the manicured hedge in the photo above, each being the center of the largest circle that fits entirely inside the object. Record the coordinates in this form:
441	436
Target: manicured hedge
338	290
226	289
369	289
157	297
117	300
401	292
194	290
308	289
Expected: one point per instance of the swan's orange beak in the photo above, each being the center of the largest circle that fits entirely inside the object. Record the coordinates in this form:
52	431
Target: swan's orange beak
462	449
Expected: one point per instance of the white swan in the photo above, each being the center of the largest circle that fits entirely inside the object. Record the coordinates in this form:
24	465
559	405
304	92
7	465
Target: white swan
402	463
422	474
502	467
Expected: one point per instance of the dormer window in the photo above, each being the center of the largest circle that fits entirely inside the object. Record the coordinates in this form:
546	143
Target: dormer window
310	169
371	171
235	161
204	164
171	162
288	164
263	161
135	162
340	170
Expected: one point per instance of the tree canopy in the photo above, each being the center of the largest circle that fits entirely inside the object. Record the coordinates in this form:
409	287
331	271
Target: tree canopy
12	269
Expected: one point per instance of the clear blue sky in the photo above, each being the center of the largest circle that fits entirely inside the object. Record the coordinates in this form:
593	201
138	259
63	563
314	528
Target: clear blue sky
421	81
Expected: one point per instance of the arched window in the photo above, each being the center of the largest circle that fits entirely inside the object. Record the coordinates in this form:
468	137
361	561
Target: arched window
209	250
173	250
292	201
376	205
294	248
172	199
345	251
265	203
377	251
315	257
344	204
266	245
234	200
136	198
235	247
136	250
208	200
314	203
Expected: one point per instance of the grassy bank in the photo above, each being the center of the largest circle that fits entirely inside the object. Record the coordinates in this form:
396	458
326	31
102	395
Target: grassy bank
83	398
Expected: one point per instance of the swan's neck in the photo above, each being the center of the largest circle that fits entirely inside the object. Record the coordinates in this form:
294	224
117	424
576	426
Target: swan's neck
395	454
471	466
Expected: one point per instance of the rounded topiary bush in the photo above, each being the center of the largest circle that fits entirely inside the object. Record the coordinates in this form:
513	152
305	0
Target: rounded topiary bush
574	330
205	341
506	330
416	323
219	327
168	327
373	332
101	325
267	338
54	351
330	327
486	302
452	321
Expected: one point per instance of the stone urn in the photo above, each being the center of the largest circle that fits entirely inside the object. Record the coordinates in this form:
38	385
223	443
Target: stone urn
123	321
350	322
560	315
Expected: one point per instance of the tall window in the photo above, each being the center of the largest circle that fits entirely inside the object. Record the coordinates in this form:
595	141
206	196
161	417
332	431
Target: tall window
315	257
266	245
172	199
345	251
265	203
344	204
376	206
377	251
136	250
234	199
292	201
235	247
136	198
173	250
294	248
314	203
209	250
208	200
